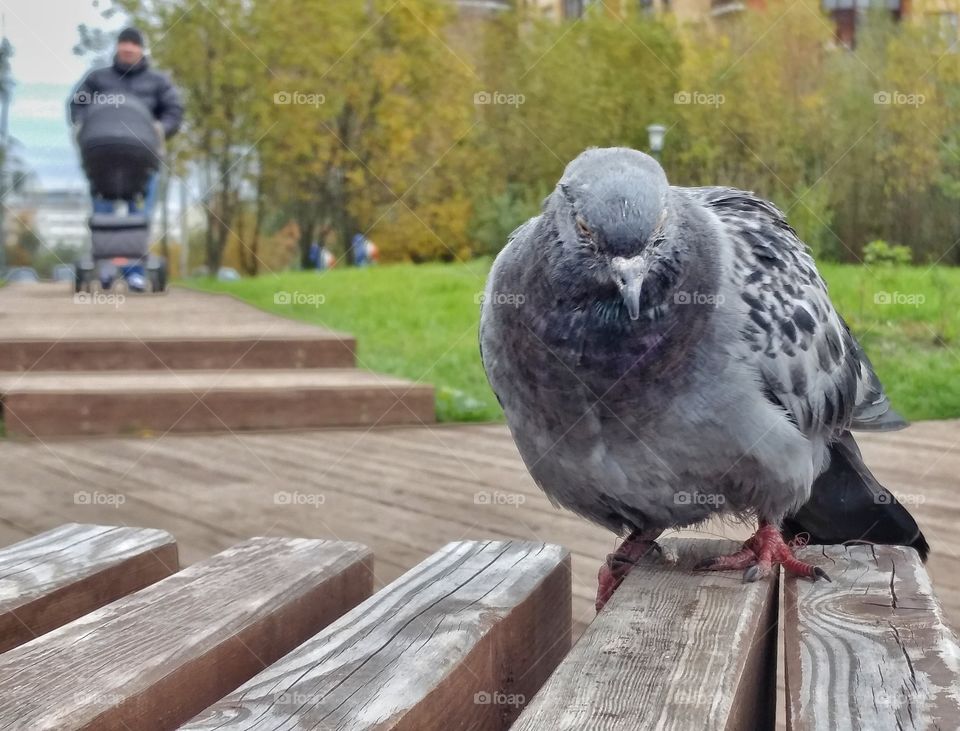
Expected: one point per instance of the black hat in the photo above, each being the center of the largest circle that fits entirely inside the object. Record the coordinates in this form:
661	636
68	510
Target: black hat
131	35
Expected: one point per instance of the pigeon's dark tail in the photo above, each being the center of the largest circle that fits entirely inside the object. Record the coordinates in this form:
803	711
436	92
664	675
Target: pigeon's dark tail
847	504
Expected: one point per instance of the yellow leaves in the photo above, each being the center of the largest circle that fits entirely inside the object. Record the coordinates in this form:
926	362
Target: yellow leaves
435	230
761	100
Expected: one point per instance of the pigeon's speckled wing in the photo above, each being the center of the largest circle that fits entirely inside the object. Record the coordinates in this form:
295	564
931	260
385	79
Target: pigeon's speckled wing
810	363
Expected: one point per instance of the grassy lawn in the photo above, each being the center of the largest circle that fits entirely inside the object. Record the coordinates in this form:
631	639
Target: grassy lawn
420	322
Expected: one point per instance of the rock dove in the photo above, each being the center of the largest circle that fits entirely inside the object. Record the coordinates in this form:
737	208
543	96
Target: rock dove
665	354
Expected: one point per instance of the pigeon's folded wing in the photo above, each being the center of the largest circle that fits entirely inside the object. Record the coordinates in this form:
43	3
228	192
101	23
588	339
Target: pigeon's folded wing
809	362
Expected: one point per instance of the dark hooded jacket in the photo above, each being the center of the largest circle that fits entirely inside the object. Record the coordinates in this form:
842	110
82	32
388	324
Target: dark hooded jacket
152	88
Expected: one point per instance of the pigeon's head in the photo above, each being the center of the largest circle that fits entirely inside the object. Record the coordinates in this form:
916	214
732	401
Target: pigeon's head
611	209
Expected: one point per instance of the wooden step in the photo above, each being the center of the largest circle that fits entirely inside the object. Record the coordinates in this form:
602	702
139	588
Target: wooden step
38	404
870	650
461	641
325	350
57	576
47	328
156	658
674	648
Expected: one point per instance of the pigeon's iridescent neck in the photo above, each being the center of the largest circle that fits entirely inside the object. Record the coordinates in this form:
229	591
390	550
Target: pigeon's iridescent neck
602	340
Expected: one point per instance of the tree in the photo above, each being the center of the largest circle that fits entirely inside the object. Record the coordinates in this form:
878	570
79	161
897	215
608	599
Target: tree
212	59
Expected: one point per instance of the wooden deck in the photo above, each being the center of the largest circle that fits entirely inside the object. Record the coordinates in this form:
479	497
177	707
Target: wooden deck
115	364
51	312
402	491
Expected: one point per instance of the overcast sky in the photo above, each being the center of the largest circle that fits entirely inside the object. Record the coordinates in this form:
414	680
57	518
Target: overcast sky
43	34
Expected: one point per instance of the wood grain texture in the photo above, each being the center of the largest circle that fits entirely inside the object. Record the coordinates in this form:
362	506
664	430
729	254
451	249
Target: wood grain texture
459	642
402	491
673	649
156	658
870	650
57	576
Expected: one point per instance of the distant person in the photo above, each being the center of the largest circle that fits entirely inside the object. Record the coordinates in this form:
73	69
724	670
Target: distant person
130	75
365	252
359	246
319	257
315	255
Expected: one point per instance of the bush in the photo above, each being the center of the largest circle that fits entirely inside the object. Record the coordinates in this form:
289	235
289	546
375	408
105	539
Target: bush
495	218
879	252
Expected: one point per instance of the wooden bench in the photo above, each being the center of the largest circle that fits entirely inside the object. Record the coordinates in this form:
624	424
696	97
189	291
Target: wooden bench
280	633
470	633
57	576
673	649
155	658
870	650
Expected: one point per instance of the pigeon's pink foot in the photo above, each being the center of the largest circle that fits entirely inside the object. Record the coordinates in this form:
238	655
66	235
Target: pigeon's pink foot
758	556
621	562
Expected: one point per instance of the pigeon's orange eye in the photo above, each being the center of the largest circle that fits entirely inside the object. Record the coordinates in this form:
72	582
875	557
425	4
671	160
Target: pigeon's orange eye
582	227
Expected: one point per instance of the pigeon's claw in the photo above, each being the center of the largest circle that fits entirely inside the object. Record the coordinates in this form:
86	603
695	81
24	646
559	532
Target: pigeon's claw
620	563
758	556
740	560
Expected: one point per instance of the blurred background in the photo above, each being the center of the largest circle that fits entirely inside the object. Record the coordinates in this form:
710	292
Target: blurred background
432	128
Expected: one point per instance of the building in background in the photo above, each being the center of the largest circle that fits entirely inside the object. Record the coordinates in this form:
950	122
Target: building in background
683	10
943	13
846	14
482	7
57	217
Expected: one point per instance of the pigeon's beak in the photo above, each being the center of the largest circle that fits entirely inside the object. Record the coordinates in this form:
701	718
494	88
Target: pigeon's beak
629	273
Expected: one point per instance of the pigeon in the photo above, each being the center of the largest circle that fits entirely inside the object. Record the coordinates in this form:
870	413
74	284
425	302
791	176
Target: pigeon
665	354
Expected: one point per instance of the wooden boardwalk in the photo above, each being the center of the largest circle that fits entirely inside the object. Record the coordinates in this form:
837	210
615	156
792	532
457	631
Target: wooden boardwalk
402	491
51	312
109	364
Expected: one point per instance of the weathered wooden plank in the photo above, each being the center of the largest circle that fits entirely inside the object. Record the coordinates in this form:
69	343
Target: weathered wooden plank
52	403
673	649
461	641
57	576
125	352
213	491
870	650
156	658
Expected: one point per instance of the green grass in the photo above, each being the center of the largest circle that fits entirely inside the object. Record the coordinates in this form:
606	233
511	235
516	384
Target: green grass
420	322
908	320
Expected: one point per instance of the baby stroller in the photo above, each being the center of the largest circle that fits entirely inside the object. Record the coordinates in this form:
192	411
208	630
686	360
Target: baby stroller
120	148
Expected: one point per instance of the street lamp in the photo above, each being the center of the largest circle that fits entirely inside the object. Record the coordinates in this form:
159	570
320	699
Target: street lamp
656	133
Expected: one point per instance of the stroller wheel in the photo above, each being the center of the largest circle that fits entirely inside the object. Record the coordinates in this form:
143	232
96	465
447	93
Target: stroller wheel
158	277
81	278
